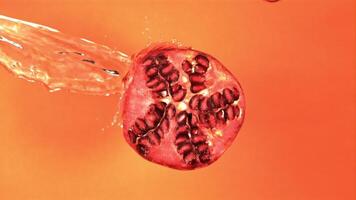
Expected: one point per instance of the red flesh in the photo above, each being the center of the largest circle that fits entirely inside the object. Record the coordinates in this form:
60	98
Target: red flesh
182	107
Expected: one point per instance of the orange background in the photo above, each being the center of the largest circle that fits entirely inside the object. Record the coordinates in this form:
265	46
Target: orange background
295	60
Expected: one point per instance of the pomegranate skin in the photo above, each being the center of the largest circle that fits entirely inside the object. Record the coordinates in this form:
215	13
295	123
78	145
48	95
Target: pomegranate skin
181	107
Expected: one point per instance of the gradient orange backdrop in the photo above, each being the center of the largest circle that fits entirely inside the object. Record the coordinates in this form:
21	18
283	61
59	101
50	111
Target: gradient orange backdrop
295	60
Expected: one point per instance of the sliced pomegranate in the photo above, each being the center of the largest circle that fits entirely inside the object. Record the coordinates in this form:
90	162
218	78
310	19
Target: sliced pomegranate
182	107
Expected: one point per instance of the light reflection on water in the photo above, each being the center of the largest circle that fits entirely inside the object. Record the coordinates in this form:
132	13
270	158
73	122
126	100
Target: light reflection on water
40	53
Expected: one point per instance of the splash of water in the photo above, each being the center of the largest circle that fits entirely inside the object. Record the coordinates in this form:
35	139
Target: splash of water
40	53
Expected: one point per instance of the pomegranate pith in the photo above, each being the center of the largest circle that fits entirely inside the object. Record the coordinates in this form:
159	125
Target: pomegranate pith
182	108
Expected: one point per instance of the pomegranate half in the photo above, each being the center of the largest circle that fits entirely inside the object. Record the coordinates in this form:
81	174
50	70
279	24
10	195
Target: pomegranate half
181	108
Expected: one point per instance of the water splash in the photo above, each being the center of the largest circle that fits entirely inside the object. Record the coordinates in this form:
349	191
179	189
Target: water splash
116	121
40	53
147	30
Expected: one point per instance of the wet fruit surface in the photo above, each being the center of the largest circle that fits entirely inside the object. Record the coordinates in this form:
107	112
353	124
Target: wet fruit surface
182	108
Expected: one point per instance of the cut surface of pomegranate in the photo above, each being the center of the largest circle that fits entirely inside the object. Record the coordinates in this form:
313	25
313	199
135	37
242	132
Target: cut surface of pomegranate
182	108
